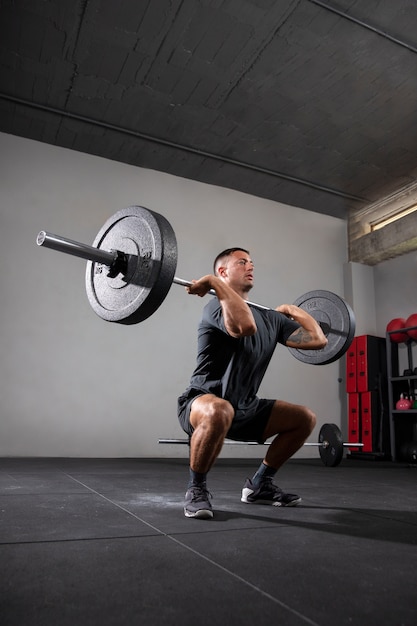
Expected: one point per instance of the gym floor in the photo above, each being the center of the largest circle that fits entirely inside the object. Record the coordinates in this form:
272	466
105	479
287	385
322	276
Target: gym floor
105	541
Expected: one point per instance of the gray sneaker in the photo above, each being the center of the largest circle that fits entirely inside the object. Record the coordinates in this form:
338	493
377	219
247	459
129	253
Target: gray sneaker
197	503
268	493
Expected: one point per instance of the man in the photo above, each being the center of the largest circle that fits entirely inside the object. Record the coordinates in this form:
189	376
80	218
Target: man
235	344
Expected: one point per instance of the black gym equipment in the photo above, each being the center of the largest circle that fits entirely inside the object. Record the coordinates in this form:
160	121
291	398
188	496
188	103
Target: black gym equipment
131	267
336	319
330	444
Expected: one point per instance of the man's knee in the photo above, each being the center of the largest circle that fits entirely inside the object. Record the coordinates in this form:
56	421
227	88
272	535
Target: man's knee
212	413
309	419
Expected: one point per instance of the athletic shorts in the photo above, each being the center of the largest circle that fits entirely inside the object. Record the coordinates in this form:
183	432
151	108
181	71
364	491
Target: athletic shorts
248	424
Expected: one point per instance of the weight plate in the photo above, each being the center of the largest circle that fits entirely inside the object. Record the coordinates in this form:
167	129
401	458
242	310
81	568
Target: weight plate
330	445
337	321
149	242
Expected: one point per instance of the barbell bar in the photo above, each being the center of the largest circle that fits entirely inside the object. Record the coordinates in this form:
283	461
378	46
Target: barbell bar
330	444
115	259
139	249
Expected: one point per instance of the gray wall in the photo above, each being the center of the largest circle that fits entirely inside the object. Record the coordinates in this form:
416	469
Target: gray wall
74	385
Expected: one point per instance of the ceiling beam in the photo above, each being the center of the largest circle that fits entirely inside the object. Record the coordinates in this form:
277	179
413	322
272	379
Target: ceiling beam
388	242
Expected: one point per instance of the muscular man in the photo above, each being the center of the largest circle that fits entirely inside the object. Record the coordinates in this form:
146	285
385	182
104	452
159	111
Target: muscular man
235	344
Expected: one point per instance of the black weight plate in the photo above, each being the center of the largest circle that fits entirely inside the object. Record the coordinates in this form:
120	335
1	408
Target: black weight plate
149	242
337	320
331	452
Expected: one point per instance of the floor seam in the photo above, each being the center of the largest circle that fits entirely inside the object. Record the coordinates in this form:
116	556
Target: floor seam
204	557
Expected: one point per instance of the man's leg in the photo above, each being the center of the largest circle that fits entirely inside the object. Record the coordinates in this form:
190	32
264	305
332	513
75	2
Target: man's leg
211	418
292	424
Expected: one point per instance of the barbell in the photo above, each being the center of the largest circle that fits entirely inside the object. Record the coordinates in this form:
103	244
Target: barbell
330	444
131	267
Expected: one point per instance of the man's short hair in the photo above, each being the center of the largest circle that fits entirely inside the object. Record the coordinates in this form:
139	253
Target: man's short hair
226	253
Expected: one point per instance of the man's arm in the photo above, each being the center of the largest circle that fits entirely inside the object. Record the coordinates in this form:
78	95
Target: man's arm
310	336
238	318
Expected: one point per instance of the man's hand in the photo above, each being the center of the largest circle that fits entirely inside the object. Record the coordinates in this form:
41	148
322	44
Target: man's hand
200	287
287	309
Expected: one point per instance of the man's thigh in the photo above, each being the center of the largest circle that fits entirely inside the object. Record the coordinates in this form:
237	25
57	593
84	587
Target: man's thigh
285	417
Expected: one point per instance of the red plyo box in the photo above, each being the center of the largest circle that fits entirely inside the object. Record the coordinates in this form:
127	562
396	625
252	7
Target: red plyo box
351	368
353	420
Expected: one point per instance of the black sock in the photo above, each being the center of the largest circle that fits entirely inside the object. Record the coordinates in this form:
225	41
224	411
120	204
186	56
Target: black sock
197	478
264	471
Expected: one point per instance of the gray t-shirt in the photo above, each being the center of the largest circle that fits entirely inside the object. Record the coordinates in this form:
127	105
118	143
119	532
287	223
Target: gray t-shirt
232	368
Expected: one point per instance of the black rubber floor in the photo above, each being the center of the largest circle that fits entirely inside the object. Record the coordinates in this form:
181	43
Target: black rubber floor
105	542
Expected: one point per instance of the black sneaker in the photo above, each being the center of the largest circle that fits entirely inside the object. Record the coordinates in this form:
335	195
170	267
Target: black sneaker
267	493
197	503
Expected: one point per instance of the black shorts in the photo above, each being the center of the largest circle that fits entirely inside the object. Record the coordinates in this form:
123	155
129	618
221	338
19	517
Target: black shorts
248	424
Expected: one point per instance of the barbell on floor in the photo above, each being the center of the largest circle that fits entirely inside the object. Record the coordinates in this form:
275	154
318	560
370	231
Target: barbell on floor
139	249
330	444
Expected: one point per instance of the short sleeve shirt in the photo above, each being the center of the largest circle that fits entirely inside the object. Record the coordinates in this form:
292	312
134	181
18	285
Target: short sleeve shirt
233	368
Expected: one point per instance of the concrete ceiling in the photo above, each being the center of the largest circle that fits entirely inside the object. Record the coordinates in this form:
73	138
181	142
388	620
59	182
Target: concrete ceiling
309	103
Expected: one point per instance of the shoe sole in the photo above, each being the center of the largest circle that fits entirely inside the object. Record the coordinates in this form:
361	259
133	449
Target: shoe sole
246	495
293	503
201	514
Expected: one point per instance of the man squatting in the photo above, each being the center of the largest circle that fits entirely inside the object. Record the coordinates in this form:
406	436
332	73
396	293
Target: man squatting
236	342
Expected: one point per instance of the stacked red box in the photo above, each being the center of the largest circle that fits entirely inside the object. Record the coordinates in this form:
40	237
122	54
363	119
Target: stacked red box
353	420
367	421
351	367
366	386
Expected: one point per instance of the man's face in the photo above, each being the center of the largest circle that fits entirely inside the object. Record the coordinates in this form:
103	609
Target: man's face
237	270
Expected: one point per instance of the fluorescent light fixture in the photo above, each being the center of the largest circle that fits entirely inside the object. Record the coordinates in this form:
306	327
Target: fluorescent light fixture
384	221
